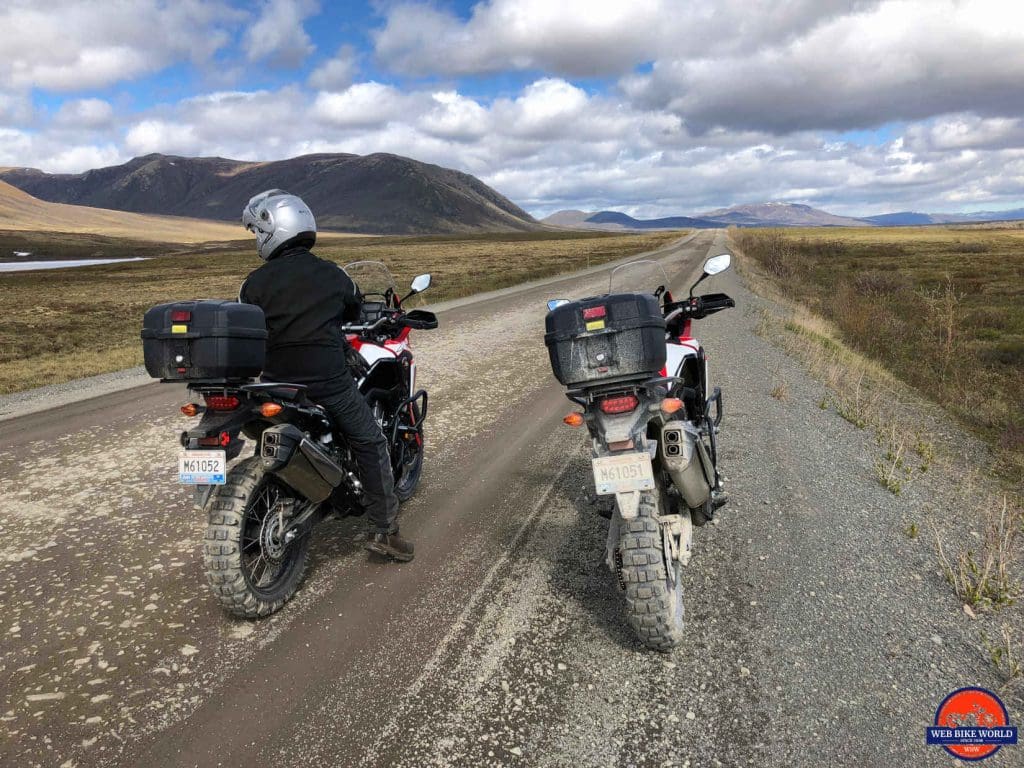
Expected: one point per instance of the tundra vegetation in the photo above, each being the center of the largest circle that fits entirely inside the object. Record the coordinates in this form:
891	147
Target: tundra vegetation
65	324
940	309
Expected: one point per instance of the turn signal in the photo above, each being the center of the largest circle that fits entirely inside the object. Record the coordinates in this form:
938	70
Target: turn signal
270	409
190	409
671	404
574	419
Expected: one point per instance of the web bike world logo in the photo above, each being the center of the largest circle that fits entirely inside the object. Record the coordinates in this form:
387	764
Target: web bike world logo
972	724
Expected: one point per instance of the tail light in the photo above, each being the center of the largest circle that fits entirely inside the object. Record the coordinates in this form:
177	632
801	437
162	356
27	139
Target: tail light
620	404
221	402
179	316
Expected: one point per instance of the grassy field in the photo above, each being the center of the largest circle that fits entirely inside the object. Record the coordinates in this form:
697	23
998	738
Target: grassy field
65	324
942	308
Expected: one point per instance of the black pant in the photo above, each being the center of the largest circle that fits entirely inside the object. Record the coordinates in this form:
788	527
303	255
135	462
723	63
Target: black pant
352	418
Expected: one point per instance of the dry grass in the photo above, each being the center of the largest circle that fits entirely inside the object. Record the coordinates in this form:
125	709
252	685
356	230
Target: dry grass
1005	653
66	324
21	211
940	308
982	578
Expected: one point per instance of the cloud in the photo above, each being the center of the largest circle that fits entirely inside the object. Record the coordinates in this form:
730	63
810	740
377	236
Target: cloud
762	66
899	61
337	73
362	105
85	113
586	38
277	36
66	45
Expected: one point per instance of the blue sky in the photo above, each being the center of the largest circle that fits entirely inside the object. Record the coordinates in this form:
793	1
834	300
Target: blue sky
653	107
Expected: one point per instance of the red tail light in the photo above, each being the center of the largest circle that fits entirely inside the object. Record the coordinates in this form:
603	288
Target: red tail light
621	404
179	316
593	313
221	402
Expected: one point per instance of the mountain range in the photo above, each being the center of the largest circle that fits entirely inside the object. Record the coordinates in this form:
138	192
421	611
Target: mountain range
768	215
375	194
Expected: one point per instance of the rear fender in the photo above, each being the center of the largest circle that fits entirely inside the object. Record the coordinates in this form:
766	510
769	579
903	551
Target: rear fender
216	423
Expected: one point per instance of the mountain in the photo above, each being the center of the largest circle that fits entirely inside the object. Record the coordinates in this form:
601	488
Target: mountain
780	215
377	194
901	219
567	219
672	222
755	215
22	212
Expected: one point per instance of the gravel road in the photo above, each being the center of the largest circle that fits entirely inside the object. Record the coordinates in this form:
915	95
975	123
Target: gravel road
818	633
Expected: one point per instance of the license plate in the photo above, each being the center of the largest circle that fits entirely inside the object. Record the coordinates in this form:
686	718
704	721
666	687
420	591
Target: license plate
202	467
624	472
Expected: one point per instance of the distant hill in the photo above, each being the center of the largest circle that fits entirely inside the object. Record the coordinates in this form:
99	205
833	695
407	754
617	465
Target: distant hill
780	215
21	212
901	219
671	222
376	194
756	215
770	215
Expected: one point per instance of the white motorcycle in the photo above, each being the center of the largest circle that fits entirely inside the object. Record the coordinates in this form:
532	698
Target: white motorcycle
630	362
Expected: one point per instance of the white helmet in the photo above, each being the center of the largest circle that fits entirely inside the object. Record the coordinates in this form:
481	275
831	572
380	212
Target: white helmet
278	219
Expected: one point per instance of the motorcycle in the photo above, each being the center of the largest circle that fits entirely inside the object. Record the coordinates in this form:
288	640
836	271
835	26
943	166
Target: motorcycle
262	510
641	379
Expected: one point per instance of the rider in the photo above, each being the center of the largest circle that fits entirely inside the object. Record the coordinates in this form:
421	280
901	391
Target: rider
305	300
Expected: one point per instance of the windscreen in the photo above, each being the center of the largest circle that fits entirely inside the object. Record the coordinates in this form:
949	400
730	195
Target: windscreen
643	276
373	278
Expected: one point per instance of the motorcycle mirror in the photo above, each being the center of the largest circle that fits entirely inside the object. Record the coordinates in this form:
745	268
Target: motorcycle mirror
713	266
420	283
717	264
554	304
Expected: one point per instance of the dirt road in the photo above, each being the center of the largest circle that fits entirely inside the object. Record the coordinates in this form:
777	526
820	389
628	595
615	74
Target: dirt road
817	637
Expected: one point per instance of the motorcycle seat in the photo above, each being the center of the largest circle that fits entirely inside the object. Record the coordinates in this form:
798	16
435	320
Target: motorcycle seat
292	393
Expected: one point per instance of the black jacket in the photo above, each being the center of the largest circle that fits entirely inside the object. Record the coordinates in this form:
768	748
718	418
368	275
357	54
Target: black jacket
305	299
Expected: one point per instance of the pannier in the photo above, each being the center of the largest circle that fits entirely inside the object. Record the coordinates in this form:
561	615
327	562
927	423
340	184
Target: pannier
615	337
301	463
204	341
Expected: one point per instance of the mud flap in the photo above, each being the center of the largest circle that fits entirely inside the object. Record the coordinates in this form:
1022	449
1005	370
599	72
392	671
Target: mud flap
628	504
612	544
201	496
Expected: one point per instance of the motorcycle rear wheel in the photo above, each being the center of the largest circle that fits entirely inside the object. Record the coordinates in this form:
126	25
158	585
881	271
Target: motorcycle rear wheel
251	571
654	597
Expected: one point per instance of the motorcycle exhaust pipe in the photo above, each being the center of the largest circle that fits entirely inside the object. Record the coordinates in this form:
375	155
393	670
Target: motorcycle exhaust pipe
303	465
685	459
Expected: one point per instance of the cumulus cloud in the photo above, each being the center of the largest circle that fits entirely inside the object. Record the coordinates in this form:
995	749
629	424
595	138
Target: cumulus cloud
65	45
363	105
277	35
337	73
765	66
904	60
85	113
582	38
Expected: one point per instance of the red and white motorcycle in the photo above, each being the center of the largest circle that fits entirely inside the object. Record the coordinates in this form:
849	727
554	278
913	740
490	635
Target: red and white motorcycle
630	361
262	510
